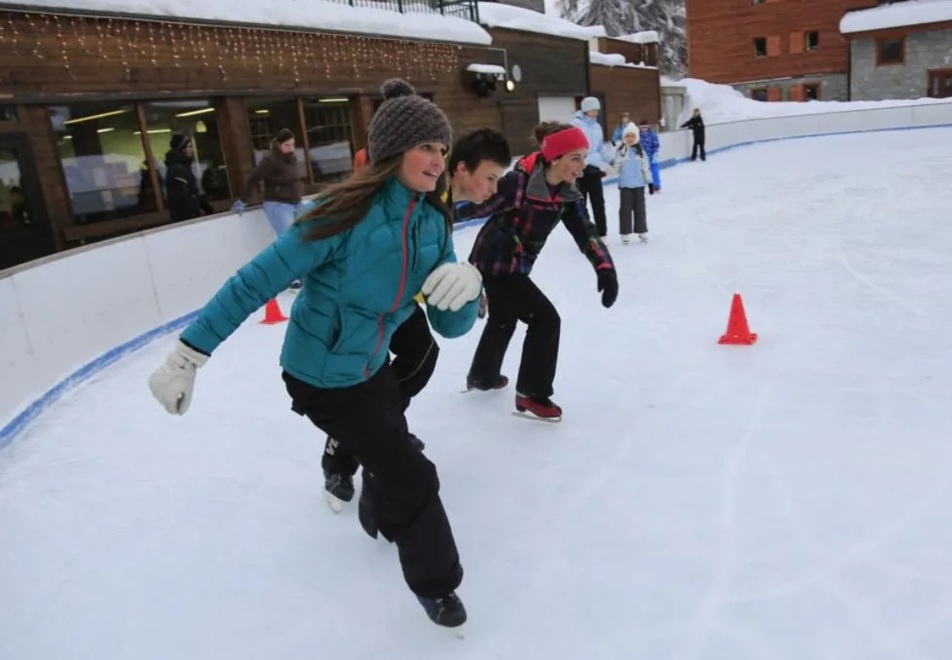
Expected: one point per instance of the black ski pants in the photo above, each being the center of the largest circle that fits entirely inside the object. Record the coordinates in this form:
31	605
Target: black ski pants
367	422
698	146
515	298
415	352
590	185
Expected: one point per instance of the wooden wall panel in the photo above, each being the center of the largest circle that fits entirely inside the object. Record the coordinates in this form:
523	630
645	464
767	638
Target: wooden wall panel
627	89
551	66
721	33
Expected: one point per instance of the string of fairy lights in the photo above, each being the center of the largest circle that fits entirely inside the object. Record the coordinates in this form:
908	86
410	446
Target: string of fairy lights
81	43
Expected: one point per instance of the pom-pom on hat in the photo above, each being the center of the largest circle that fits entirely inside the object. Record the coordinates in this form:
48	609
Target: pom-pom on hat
403	121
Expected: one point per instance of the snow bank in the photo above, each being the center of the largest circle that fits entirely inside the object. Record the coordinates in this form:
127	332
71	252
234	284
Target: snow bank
720	104
646	37
317	14
613	59
517	18
914	12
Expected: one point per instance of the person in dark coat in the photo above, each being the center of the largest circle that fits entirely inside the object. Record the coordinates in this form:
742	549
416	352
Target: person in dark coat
183	198
696	124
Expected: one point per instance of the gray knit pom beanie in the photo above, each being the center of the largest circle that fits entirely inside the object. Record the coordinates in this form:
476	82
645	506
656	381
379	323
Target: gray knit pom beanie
403	121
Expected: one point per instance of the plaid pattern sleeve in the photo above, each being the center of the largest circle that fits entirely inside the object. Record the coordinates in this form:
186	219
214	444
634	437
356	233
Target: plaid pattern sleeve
575	218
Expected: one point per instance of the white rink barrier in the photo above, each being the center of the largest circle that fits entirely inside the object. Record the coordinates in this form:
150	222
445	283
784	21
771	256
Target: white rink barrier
66	317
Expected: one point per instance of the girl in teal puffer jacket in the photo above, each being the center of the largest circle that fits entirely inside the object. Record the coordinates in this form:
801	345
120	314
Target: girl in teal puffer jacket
363	250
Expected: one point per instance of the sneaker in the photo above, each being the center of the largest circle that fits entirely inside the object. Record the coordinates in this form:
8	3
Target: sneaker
539	406
447	611
473	384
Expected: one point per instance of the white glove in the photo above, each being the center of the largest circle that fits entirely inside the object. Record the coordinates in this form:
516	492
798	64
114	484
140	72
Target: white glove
452	285
172	383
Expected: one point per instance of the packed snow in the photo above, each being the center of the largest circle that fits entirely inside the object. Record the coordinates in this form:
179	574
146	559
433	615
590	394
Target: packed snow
368	18
788	500
614	59
492	14
644	37
720	104
901	14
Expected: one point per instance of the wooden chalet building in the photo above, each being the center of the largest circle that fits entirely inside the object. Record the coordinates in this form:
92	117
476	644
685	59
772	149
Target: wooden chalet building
89	101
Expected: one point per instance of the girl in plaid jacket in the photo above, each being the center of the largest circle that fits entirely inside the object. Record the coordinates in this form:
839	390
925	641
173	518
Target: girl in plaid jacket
531	200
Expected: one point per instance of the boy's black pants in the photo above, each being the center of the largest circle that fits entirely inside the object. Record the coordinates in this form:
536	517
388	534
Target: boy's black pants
515	298
415	352
367	423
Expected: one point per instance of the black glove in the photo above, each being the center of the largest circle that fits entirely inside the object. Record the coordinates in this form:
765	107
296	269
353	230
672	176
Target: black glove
608	286
651	189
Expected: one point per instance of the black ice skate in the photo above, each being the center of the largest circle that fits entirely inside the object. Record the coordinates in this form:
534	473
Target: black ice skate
338	490
474	384
447	611
540	408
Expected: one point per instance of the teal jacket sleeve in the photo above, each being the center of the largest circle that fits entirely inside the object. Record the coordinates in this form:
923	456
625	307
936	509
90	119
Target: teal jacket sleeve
447	323
269	273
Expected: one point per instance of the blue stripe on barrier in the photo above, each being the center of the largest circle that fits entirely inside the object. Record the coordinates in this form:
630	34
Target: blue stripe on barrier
32	411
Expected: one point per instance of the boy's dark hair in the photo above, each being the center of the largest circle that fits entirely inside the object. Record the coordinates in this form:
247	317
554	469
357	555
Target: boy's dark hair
479	145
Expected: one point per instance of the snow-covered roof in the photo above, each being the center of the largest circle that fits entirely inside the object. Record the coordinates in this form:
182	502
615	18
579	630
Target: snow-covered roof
314	14
646	37
902	14
517	18
614	59
492	69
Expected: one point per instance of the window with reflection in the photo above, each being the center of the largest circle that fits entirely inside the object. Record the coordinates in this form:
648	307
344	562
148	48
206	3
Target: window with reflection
329	138
267	117
103	161
198	119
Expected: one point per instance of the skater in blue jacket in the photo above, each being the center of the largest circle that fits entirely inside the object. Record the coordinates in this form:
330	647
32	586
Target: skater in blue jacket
363	250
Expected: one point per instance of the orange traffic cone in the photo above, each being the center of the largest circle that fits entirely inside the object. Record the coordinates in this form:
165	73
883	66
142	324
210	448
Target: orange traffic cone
737	331
272	313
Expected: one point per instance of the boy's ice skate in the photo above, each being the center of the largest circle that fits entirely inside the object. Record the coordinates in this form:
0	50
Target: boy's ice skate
338	490
540	408
626	238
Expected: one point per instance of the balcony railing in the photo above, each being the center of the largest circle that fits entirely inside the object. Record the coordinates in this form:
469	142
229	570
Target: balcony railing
466	9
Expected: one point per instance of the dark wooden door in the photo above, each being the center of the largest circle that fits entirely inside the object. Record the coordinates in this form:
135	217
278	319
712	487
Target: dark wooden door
25	232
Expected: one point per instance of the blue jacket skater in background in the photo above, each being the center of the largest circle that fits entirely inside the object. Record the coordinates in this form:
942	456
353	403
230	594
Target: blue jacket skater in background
652	147
363	251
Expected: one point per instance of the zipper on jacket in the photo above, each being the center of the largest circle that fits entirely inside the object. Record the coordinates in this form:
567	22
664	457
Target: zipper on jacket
400	290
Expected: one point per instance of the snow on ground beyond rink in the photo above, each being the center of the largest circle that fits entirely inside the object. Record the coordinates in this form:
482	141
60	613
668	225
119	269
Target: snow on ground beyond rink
788	500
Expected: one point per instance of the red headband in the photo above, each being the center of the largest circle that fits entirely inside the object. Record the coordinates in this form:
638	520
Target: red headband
566	140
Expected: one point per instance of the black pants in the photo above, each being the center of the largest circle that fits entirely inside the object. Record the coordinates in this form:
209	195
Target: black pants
368	424
632	208
698	145
415	353
515	298
590	185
